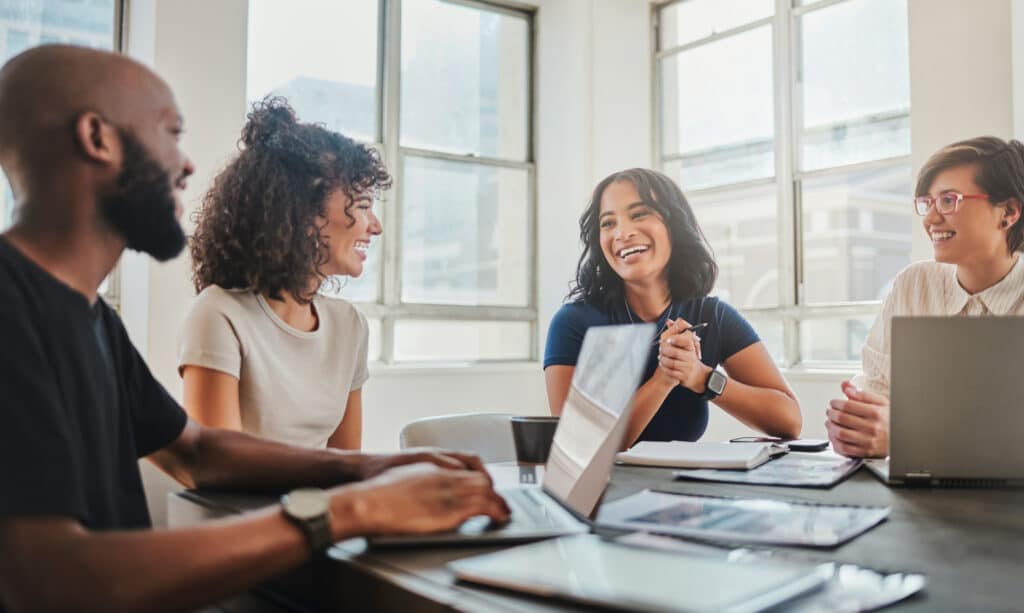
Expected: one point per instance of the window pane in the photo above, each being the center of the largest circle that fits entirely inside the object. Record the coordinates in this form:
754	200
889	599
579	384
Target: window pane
730	78
27	23
327	68
464	233
373	344
857	233
855	81
692	20
771	333
465	76
440	340
833	340
742	227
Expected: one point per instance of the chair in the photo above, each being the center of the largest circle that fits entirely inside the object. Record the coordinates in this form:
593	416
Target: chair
488	435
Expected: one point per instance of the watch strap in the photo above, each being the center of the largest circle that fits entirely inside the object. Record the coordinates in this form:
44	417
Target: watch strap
316	528
318	532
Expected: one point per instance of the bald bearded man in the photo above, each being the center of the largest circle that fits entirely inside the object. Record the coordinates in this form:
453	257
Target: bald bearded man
89	142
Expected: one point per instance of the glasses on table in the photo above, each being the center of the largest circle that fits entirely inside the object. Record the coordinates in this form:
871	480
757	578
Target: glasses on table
946	202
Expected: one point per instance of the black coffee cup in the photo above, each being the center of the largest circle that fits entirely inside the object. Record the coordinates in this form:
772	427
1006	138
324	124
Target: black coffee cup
532	435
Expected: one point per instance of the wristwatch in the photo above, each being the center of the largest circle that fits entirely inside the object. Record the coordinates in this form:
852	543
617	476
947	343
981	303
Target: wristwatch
308	508
715	384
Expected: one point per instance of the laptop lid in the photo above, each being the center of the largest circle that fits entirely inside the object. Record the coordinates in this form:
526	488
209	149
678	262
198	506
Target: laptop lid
595	414
594	571
957	400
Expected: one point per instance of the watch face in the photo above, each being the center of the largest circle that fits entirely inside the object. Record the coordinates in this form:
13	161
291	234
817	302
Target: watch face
306	503
716	382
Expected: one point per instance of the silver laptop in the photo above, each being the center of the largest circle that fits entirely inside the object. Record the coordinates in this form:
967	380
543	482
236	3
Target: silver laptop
589	433
957	402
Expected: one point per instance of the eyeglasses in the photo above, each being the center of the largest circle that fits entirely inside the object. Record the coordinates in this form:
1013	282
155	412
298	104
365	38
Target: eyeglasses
946	202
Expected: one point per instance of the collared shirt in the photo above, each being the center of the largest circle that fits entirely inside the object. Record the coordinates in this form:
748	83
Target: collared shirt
931	288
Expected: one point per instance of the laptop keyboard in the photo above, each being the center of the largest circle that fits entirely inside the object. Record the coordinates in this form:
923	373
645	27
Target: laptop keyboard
529	506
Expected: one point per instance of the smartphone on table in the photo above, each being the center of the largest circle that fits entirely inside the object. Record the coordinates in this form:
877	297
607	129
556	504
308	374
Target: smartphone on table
794	444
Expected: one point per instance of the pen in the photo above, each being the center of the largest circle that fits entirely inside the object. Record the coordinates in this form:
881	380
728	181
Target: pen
695	328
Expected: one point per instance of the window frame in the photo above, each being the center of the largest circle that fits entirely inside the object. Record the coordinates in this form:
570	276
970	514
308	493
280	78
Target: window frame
792	307
389	307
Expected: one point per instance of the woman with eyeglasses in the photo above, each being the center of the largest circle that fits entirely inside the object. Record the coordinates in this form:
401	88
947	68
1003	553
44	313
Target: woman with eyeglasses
645	259
969	196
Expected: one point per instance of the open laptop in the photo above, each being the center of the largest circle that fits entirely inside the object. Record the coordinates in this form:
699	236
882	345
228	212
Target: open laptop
589	433
957	402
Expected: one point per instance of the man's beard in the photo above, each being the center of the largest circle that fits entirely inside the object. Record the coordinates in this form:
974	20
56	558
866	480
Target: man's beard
141	208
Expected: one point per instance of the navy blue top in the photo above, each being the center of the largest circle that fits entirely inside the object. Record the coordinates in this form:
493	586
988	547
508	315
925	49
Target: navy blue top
683	416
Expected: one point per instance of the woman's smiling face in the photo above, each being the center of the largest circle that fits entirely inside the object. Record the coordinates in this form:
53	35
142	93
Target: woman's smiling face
347	241
633	236
973	231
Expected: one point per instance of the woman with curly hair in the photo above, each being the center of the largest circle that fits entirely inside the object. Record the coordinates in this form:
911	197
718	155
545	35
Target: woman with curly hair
645	259
262	350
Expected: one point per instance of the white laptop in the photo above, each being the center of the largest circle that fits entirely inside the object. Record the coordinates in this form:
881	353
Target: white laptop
594	571
957	402
589	433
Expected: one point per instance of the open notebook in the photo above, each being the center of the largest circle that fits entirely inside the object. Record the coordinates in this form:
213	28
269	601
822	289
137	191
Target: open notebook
681	454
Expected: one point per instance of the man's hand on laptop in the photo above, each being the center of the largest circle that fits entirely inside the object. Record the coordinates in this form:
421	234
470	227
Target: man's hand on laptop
858	425
414	499
375	464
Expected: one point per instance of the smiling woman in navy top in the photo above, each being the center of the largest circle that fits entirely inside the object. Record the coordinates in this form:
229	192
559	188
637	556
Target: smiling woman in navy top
645	259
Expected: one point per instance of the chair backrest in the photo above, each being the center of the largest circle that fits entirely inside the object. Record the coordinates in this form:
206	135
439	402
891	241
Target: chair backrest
488	435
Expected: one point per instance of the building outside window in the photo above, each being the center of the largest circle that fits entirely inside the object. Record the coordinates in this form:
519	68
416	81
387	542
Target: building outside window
787	125
443	90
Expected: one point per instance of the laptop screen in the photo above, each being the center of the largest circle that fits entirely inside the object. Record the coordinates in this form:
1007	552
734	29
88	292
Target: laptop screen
595	412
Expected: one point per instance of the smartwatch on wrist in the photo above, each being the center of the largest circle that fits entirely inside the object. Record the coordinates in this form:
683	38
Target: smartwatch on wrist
309	509
715	384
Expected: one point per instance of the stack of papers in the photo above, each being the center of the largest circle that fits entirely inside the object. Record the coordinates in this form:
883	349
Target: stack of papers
793	470
740	520
681	454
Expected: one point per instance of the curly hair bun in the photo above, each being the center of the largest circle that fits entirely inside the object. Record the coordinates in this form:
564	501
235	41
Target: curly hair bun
268	118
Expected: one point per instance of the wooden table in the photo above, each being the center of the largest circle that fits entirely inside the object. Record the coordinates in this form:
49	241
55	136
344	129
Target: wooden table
970	543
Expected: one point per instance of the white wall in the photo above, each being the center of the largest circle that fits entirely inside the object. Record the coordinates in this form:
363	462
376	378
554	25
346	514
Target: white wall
204	62
1017	52
961	89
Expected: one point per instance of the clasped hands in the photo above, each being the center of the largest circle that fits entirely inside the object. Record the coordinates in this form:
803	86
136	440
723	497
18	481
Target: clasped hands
679	357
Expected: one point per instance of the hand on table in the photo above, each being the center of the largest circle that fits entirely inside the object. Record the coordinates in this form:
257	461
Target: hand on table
858	425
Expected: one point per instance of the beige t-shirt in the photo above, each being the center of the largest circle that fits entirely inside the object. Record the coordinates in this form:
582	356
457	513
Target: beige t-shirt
931	288
293	386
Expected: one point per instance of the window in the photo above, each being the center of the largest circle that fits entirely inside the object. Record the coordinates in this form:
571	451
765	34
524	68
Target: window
27	23
787	124
443	89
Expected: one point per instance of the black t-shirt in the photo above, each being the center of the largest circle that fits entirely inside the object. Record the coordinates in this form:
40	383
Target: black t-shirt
78	406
